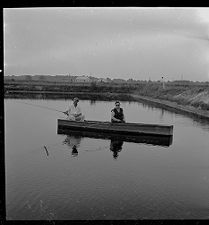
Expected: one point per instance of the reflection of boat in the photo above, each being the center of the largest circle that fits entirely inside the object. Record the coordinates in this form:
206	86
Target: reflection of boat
148	139
135	129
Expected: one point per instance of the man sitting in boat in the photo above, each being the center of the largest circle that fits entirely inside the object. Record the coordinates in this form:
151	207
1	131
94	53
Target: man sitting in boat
117	115
74	112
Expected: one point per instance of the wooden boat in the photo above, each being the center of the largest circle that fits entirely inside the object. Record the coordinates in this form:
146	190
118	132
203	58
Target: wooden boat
147	139
135	129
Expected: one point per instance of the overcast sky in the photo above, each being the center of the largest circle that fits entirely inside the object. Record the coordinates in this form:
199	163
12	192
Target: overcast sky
132	42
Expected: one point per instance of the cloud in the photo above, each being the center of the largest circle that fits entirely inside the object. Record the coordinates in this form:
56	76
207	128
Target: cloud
120	41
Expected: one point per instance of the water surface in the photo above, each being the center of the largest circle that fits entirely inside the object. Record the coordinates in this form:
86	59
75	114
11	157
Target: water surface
47	178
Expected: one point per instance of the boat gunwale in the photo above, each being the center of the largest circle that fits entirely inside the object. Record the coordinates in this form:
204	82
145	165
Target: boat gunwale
89	122
167	130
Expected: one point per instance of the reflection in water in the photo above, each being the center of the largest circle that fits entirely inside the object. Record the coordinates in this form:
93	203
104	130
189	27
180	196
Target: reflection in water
47	153
96	186
115	147
92	102
201	121
74	151
73	142
101	97
162	113
146	106
164	141
39	96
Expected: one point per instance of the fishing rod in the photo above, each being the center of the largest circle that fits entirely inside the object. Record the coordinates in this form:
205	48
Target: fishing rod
40	106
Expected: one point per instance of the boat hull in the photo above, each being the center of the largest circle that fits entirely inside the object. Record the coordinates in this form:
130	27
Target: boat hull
129	129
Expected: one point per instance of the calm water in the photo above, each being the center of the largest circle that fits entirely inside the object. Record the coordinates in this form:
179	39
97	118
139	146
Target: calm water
142	181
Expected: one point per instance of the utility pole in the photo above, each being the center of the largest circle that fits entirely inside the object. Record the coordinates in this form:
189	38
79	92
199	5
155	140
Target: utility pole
163	83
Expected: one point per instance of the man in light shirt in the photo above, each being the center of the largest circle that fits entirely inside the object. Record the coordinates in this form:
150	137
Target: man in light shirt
74	112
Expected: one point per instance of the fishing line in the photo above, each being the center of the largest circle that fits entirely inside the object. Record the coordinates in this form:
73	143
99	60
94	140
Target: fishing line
40	106
97	149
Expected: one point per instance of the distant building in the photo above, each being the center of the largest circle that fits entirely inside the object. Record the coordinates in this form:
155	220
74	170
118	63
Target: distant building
131	80
119	81
103	80
9	77
83	79
40	77
72	79
93	79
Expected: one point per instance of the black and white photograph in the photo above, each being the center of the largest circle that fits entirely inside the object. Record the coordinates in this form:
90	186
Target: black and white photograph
106	113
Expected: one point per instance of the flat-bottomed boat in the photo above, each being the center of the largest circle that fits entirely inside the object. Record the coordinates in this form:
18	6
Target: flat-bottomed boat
135	129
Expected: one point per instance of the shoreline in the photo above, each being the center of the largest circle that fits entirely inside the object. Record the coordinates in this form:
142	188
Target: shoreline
174	106
157	102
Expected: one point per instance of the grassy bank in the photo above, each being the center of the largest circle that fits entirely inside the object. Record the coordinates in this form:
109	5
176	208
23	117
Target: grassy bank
94	96
193	96
196	96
